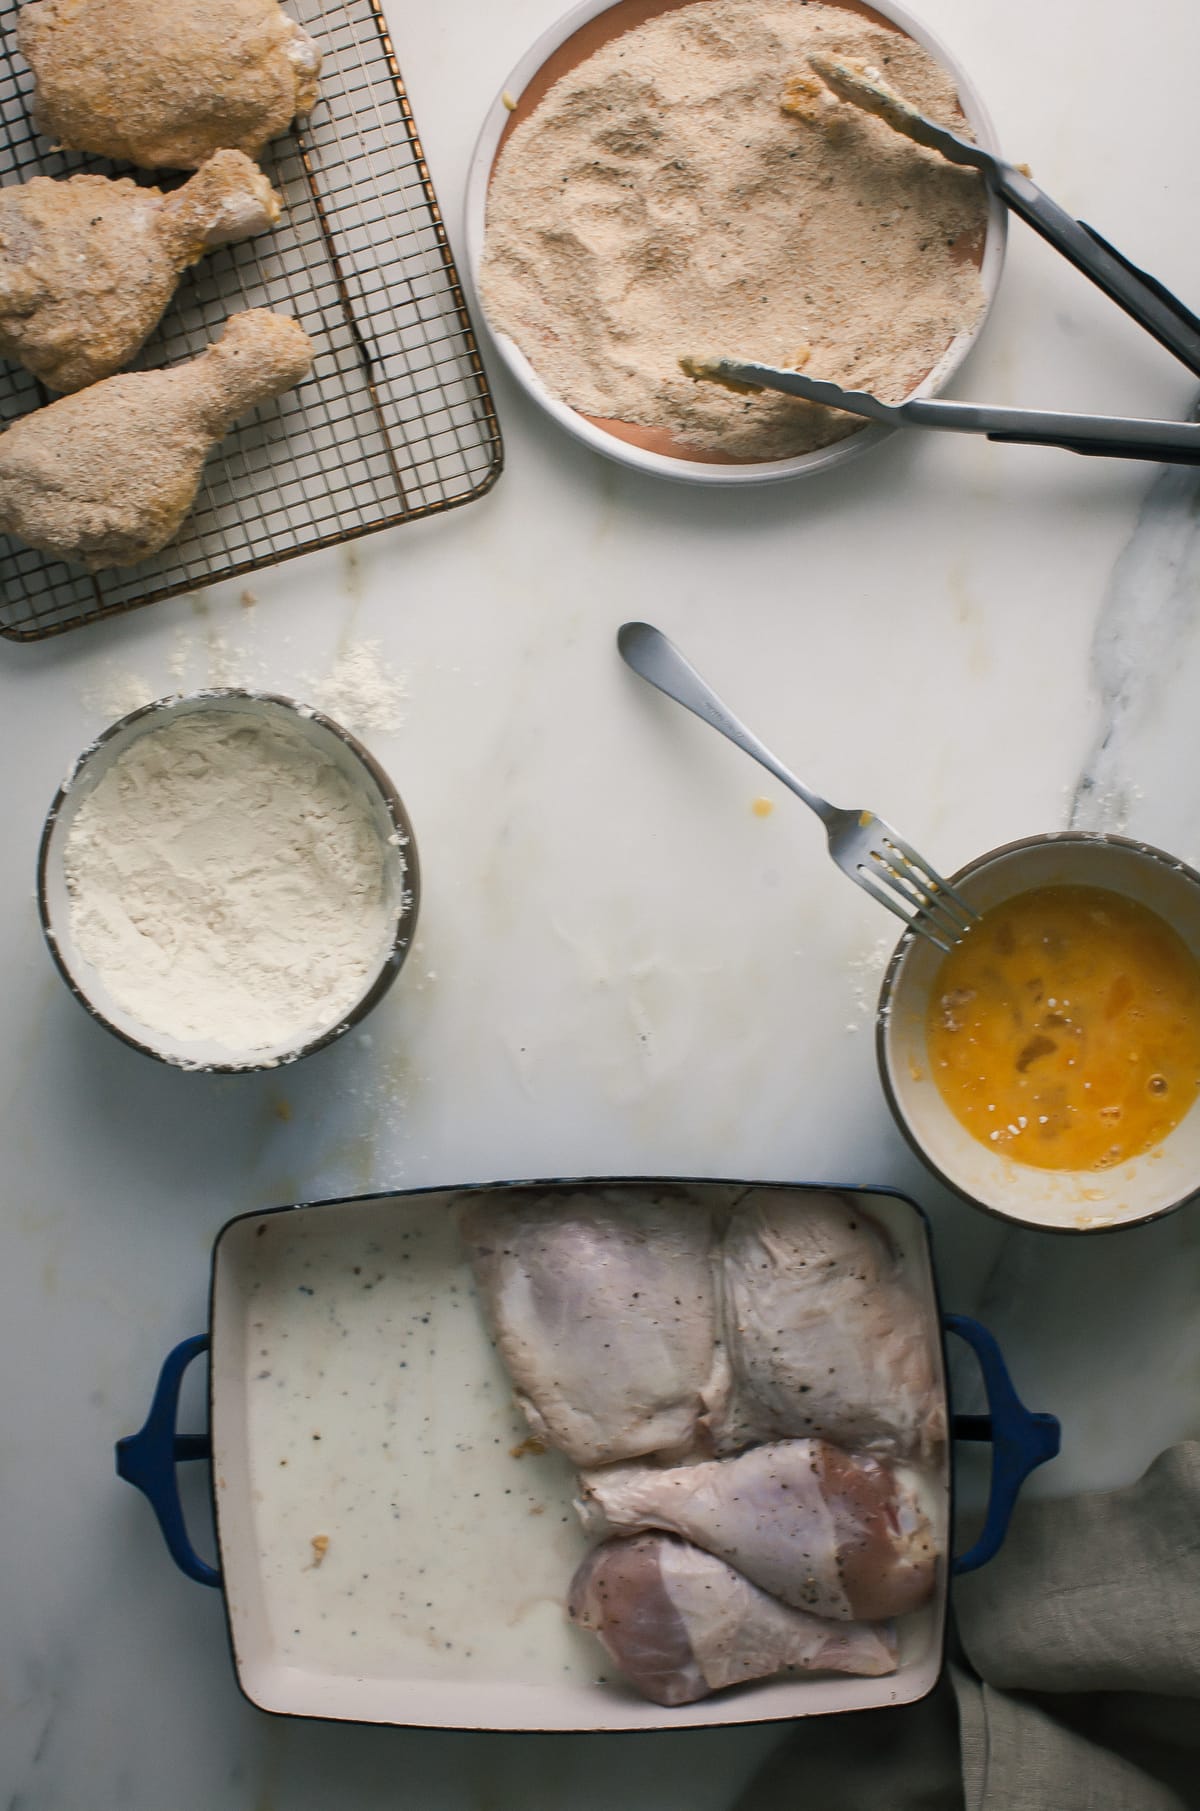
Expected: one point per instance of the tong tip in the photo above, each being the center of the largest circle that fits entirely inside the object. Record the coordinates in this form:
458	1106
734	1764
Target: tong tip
863	87
712	371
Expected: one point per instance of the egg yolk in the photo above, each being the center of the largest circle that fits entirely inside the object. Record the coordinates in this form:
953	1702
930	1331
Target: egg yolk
1064	1030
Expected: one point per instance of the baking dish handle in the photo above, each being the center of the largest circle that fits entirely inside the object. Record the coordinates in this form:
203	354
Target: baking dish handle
147	1460
1021	1440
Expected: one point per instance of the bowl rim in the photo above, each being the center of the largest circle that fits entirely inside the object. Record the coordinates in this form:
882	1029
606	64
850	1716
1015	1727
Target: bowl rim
393	958
687	471
883	1022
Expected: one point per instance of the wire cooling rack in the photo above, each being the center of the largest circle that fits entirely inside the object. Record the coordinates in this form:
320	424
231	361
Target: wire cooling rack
396	421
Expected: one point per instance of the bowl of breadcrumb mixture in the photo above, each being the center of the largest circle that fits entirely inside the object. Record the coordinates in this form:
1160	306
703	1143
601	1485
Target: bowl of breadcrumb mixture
639	195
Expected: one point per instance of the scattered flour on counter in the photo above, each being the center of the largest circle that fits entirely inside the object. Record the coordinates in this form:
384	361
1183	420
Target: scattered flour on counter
361	690
116	691
1103	806
234	666
181	655
228	883
866	977
211	660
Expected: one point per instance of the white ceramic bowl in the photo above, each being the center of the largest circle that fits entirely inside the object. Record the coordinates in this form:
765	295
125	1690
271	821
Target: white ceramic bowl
332	742
1062	1200
698	470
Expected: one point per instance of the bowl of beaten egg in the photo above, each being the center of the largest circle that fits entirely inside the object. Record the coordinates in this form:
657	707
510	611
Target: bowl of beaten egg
1048	1068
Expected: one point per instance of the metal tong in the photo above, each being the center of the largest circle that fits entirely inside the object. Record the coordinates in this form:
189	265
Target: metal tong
1115	436
1141	296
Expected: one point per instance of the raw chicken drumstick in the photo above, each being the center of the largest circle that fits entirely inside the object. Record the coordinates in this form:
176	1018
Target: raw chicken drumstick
108	476
604	1311
837	1534
681	1624
825	1335
165	83
88	265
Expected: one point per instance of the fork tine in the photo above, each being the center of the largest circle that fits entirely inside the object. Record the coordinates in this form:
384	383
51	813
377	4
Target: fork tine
893	873
950	911
945	890
889	900
928	900
931	878
952	906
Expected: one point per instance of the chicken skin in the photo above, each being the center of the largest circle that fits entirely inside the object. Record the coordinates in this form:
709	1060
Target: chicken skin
88	265
680	1623
826	1336
604	1311
165	83
108	476
837	1534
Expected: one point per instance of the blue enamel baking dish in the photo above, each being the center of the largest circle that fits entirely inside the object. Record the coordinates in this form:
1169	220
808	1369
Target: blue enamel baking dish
391	1548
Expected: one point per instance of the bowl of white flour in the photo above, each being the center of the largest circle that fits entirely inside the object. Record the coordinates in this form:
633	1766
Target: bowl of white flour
639	194
228	880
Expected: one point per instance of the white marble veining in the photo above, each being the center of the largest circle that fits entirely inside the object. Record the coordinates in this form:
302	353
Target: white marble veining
620	967
1145	650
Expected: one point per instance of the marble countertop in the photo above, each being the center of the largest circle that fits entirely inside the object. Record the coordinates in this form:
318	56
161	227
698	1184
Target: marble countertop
620	968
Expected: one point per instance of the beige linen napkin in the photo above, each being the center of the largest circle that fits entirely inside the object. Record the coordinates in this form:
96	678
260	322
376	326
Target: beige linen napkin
1077	1685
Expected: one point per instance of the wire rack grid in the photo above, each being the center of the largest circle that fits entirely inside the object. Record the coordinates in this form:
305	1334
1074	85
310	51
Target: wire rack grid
396	421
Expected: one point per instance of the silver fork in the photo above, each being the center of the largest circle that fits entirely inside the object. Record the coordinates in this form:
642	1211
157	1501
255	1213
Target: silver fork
861	844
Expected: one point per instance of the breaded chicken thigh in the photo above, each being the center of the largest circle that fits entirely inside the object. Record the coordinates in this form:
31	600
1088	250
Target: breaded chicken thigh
88	265
108	476
165	83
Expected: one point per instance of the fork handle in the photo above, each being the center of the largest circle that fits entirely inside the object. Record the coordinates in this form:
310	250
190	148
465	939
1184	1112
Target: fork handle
658	661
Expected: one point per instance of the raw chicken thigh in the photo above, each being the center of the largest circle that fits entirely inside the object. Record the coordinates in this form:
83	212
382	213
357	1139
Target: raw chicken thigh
604	1311
88	265
834	1533
108	476
824	1336
165	83
680	1623
634	1328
